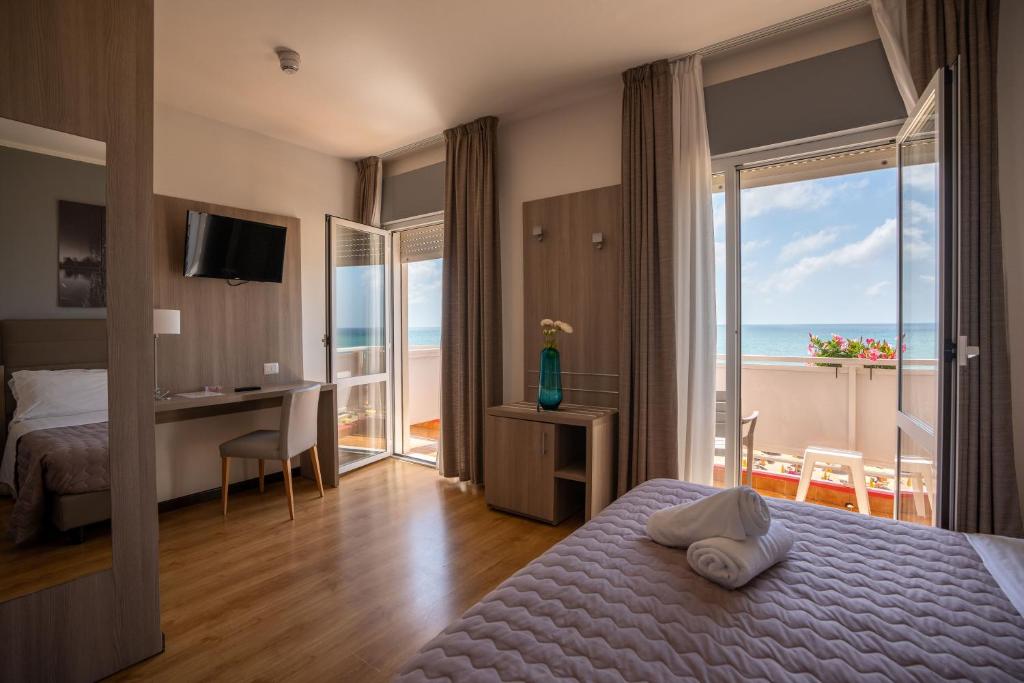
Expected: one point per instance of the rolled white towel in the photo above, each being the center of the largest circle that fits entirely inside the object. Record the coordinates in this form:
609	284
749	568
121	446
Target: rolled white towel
732	563
735	513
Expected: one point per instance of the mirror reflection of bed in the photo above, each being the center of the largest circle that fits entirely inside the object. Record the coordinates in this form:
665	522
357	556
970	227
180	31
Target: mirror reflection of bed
54	468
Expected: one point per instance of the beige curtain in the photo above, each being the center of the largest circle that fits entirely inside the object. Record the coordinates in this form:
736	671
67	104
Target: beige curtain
369	174
471	364
891	21
647	373
694	258
939	31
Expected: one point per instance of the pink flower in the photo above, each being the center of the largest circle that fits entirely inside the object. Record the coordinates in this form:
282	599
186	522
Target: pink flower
836	338
869	340
874	354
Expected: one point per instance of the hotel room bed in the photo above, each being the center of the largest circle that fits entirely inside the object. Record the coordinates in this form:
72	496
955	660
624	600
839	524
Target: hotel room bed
62	472
56	466
858	598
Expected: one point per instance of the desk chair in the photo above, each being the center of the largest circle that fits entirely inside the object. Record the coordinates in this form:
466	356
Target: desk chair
296	436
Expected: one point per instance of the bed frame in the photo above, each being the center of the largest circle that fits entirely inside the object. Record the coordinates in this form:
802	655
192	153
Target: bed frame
56	345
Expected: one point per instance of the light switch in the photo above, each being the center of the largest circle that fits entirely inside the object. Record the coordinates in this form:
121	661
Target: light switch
271	368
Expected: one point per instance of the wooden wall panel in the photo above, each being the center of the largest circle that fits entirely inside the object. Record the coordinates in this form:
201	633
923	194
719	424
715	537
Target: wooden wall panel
566	278
86	67
227	332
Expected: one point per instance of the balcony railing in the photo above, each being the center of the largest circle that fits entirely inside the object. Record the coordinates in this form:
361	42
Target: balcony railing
847	403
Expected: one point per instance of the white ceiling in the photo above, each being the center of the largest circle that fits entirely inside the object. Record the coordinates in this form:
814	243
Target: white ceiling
379	74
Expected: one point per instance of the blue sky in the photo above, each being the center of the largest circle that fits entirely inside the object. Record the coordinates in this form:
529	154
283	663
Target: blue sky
825	251
354	309
425	293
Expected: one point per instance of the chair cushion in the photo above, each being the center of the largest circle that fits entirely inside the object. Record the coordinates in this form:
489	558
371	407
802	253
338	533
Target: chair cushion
263	444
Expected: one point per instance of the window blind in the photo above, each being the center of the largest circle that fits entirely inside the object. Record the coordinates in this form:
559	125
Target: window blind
423	244
358	249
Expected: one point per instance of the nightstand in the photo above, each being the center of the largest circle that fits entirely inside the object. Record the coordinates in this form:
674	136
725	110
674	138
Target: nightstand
549	464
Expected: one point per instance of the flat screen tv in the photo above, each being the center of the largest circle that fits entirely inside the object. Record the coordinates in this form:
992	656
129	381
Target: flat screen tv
233	249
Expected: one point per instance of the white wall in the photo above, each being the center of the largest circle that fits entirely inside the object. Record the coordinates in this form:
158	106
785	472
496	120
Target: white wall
1011	181
198	158
574	148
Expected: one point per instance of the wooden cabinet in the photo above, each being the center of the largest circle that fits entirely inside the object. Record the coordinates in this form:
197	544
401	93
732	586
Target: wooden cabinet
519	467
548	465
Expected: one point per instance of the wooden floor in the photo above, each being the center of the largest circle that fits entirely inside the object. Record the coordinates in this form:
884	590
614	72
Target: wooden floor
349	591
50	561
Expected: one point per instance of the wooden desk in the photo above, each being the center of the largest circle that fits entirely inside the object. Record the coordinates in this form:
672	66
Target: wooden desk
545	464
177	408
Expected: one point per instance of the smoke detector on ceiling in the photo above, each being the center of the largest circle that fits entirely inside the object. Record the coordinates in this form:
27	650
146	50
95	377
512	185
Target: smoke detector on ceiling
289	59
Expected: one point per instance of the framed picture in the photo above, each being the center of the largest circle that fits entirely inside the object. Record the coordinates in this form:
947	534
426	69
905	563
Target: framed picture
81	255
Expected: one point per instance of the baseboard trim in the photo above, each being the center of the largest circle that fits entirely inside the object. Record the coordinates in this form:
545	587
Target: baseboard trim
214	494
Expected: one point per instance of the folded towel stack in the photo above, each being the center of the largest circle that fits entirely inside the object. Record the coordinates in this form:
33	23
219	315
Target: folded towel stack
730	535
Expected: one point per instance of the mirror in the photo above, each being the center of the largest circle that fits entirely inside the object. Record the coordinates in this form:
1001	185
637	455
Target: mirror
54	469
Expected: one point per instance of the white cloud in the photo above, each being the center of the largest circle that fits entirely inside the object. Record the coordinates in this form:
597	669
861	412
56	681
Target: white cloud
877	288
425	283
807	244
876	242
790	197
920	177
753	245
718	214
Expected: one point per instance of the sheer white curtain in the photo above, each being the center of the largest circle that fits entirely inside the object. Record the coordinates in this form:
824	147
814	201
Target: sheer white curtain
694	255
891	20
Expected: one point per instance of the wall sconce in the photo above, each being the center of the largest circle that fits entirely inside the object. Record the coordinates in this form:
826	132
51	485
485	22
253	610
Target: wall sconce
538	233
597	239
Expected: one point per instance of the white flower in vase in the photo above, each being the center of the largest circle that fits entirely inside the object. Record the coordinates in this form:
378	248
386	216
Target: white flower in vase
550	329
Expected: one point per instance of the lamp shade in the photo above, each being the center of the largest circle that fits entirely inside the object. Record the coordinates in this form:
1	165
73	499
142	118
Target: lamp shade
166	321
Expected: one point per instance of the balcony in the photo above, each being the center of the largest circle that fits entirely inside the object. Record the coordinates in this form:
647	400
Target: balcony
848	404
360	372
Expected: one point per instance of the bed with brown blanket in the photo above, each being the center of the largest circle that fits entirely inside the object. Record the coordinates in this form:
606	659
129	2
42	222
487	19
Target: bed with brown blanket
57	470
60	469
857	598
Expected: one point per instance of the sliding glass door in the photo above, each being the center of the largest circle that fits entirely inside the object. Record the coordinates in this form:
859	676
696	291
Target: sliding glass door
927	287
359	334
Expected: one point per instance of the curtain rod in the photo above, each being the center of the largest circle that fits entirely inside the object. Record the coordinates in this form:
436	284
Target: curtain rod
822	14
413	146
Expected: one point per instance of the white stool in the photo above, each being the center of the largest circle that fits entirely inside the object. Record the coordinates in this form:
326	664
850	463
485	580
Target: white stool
852	460
921	474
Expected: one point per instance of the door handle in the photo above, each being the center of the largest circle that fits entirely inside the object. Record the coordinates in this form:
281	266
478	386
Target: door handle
965	352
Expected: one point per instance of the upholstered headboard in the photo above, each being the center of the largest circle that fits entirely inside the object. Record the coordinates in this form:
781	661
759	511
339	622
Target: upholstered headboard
48	345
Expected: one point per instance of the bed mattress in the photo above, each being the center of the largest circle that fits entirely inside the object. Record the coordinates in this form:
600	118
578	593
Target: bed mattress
59	461
857	599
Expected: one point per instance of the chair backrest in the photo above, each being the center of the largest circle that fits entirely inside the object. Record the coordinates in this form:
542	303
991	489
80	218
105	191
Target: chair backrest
720	403
298	420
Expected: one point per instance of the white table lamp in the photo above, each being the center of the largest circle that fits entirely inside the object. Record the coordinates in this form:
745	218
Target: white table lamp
165	321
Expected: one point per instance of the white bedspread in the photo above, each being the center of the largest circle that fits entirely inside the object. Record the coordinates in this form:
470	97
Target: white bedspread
20	428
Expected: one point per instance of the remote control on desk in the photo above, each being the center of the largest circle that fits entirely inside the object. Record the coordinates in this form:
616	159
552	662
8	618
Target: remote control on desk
241	389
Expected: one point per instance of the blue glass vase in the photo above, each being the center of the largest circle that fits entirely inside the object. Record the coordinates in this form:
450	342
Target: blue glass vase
549	390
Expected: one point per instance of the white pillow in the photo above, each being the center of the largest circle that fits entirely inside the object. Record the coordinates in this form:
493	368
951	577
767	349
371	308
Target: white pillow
56	393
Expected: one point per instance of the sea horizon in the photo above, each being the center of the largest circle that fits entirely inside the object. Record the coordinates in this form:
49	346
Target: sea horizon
757	340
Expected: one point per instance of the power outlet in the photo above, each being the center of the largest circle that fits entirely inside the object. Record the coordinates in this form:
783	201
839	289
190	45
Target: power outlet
271	368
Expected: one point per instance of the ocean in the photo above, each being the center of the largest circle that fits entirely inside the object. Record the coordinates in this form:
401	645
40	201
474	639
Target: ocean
758	340
361	336
791	340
